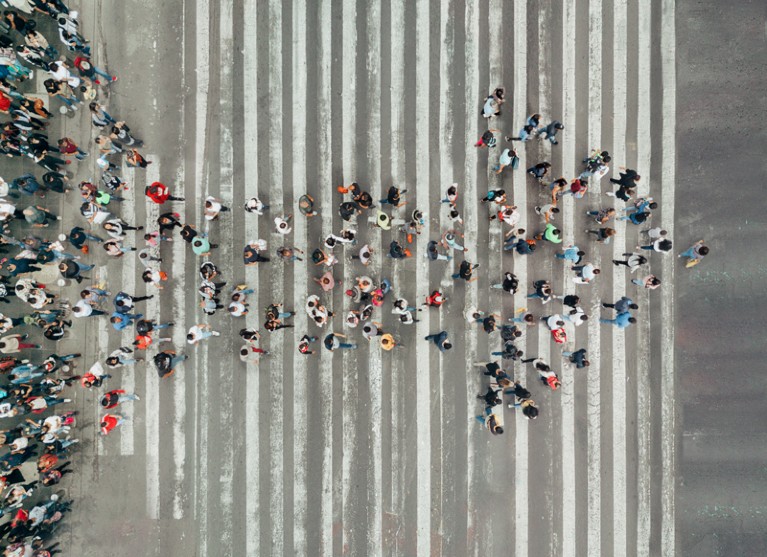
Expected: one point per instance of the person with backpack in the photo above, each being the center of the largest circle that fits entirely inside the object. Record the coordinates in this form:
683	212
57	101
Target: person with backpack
488	139
508	157
166	362
465	271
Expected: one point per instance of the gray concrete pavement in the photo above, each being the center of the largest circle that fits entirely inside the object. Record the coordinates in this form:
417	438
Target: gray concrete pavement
721	373
370	453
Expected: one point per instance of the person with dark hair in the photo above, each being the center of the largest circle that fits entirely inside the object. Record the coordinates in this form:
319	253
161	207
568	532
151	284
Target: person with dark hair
490	421
540	170
551	130
624	304
651	282
440	341
603	235
491	397
661	245
578	358
510	283
492	369
633	261
695	254
465	271
622	320
529	409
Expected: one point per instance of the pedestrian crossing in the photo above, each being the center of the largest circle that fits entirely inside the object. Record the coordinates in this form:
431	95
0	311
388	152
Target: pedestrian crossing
369	452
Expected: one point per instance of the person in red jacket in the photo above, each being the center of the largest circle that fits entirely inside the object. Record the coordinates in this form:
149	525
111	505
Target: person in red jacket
160	193
110	421
113	398
435	299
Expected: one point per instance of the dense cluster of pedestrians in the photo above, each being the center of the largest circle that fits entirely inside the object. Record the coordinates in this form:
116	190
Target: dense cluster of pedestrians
502	379
37	379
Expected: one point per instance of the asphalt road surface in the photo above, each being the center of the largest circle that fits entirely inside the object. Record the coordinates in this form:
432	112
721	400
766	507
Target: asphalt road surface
371	453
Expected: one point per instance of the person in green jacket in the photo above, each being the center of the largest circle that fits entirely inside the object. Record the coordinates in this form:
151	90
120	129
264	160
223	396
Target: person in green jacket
551	234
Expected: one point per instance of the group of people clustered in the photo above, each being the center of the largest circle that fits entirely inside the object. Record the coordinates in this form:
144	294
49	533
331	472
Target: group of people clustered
37	436
32	386
637	211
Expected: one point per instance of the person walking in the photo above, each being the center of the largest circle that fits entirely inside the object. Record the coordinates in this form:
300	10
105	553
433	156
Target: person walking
304	345
166	362
550	234
465	271
200	332
332	343
695	254
509	284
571	253
623	305
622	320
11	344
440	340
661	245
603	235
627	181
160	193
651	282
115	397
585	273
110	421
491	397
633	261
577	357
550	131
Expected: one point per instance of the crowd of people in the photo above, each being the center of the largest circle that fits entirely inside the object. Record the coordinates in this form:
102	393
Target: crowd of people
39	430
634	210
36	378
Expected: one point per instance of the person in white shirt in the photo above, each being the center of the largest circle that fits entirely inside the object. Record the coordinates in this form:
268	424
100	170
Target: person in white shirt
200	332
213	208
577	316
254	205
282	224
